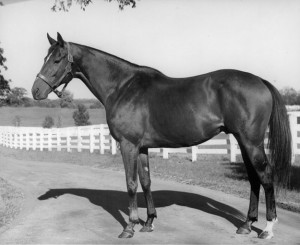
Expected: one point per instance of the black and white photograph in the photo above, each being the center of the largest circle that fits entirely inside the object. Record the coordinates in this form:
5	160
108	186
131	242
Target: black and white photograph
149	122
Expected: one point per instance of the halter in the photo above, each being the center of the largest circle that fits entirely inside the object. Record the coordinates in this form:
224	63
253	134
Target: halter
68	70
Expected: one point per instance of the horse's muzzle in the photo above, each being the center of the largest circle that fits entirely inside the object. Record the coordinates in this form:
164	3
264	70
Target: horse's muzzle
40	90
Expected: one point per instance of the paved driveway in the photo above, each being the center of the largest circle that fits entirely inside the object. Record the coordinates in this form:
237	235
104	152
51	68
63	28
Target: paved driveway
67	203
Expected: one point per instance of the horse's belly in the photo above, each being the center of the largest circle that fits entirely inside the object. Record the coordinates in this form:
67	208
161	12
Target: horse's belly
180	130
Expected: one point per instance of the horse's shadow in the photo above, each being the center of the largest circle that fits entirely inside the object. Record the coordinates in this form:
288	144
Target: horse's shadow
115	201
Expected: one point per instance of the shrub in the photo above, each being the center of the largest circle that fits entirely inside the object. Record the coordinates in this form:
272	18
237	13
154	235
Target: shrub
59	122
81	116
16	121
66	101
48	122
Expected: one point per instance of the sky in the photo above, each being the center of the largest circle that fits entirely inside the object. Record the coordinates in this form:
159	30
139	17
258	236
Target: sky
178	37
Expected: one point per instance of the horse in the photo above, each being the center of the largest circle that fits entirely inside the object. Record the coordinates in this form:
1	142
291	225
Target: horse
147	109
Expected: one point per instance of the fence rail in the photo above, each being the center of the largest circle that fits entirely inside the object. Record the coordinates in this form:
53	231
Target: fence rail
97	138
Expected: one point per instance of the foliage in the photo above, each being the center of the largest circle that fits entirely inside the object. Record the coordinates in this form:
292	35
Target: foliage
4	84
290	96
16	121
34	116
59	122
65	5
47	103
16	97
66	101
96	105
81	116
48	122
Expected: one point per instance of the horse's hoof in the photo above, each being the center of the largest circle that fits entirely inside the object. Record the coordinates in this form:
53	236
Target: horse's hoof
147	228
243	230
126	234
266	235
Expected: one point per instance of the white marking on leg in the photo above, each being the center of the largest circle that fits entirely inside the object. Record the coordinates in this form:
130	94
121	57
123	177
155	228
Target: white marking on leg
269	228
146	169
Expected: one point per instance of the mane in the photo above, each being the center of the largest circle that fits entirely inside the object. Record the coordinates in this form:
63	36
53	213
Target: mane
115	59
110	56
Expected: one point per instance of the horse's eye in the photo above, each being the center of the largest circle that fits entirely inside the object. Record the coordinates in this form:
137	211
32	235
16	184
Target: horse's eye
56	61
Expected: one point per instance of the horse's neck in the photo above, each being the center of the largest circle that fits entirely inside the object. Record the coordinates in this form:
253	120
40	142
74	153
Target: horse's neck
102	73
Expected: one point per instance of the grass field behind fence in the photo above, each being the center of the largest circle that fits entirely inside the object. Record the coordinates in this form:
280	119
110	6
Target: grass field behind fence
34	116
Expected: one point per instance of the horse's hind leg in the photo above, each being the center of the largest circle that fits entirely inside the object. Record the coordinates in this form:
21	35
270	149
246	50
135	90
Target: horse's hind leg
264	170
252	215
144	175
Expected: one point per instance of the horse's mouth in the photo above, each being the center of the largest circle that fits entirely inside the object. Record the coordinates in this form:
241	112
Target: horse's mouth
40	90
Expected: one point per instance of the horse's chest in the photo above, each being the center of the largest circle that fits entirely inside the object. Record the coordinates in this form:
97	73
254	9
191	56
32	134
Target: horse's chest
126	122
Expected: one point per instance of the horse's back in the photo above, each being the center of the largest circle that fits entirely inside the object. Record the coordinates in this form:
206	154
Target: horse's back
179	112
192	110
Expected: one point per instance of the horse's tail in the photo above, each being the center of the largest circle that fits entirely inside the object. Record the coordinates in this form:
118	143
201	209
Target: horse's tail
279	142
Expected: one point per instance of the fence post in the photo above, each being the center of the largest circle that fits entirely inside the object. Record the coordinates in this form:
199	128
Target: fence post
293	126
49	140
78	140
101	139
68	139
58	139
233	148
41	140
10	138
165	153
34	135
92	140
113	146
17	138
194	153
21	138
27	139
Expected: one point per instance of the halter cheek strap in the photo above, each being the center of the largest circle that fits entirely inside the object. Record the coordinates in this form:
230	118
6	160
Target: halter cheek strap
68	71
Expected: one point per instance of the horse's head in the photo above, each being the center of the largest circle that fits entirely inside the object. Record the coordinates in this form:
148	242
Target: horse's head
56	70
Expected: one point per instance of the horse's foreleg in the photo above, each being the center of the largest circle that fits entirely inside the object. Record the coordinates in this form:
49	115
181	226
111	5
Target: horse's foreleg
144	175
129	155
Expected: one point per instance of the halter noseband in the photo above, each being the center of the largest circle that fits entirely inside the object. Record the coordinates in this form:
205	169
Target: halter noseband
68	70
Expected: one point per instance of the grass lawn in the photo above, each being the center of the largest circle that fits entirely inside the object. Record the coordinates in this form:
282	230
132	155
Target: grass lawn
209	171
10	202
34	116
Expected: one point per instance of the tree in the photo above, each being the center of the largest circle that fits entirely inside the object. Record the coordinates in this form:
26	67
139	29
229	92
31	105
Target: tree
81	116
16	97
65	5
48	122
66	101
290	96
4	84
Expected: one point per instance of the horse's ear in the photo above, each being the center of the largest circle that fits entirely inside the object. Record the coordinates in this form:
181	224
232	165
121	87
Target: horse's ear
51	40
60	40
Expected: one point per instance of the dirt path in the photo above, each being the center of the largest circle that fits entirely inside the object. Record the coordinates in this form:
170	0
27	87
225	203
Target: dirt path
67	203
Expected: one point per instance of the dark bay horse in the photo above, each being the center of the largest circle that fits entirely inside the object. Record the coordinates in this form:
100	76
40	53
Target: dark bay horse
146	109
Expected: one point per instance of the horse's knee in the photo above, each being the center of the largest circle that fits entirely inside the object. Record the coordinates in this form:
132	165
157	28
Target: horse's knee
132	187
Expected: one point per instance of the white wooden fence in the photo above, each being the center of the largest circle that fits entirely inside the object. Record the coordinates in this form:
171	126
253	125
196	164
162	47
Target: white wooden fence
97	138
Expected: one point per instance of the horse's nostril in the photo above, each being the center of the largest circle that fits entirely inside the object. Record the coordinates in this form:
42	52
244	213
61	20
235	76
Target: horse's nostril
36	92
